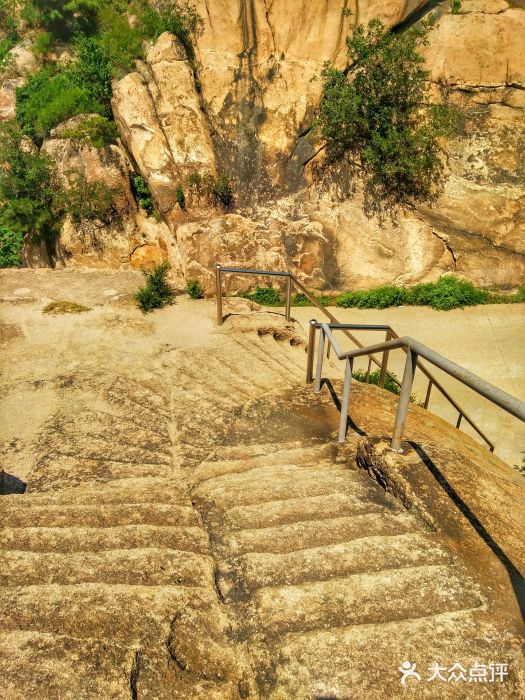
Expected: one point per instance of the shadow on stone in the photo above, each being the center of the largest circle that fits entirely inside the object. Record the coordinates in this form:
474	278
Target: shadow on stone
516	579
11	484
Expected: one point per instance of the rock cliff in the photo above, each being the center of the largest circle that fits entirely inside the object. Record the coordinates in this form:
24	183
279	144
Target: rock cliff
245	105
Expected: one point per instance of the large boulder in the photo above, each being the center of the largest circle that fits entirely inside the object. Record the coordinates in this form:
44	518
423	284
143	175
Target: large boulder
162	123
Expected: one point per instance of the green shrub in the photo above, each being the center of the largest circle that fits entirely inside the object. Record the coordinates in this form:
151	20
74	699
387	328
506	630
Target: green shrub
43	44
11	244
121	43
300	299
89	201
455	6
92	70
98	131
142	194
266	296
28	188
218	190
181	199
157	292
169	16
194	289
390	384
448	292
62	19
48	99
378	298
377	117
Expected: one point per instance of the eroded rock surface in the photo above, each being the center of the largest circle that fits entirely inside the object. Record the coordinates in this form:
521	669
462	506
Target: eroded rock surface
191	530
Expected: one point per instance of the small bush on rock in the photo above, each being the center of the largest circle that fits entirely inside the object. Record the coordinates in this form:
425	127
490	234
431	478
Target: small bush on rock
142	194
11	244
266	296
98	131
157	291
194	289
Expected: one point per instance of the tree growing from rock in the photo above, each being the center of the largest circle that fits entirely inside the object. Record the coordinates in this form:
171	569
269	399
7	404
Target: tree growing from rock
377	117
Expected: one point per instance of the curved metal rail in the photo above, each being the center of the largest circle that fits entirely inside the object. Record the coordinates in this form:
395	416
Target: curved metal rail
390	343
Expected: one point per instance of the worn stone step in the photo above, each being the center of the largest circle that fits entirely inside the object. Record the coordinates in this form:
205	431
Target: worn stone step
134	567
367	598
305	535
368	553
273	357
272	455
122	613
281	483
363	660
58	667
274	513
128	490
86	539
66	471
31	514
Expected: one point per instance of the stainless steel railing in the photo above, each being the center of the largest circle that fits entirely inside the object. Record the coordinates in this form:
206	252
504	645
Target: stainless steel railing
392	341
414	350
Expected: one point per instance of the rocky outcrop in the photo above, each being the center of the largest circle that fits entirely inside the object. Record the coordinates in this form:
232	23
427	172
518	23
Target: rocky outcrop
162	123
130	237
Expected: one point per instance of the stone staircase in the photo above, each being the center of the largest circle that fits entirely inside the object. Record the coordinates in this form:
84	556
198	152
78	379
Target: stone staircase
201	535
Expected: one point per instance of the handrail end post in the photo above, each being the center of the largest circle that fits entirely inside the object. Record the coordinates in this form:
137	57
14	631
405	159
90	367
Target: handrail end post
288	297
345	400
218	293
311	350
404	400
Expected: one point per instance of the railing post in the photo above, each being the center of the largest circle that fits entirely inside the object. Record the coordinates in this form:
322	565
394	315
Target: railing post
311	351
319	369
218	293
384	363
404	400
427	397
288	297
345	400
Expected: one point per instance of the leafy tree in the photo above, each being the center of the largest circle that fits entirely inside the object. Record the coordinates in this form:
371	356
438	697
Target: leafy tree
93	71
27	186
377	117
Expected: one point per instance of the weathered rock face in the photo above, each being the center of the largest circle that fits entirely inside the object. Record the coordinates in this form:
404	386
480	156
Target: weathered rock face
131	238
20	61
161	121
250	114
256	65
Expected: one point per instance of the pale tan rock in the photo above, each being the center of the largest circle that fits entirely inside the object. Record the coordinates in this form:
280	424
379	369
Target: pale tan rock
161	122
478	49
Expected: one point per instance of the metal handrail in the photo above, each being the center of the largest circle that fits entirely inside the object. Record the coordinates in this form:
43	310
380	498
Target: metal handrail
413	349
346	329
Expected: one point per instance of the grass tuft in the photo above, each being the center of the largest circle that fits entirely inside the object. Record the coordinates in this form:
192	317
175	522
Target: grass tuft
64	307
